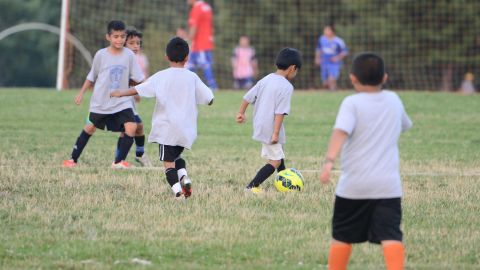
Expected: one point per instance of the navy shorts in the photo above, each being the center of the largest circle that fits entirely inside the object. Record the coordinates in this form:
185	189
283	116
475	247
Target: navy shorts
138	120
372	220
330	70
111	122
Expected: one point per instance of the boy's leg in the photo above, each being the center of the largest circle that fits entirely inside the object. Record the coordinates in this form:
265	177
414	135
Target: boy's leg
274	154
139	140
168	154
185	181
117	151
80	144
206	62
394	254
339	255
126	142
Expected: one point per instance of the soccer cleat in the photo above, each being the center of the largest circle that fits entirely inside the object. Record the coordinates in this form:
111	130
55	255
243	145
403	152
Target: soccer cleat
186	186
121	165
69	163
254	190
179	196
144	161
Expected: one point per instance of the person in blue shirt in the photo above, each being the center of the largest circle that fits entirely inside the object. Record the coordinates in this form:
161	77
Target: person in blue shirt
329	55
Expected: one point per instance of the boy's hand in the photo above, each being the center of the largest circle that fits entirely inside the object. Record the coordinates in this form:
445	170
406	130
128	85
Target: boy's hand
274	139
78	99
115	94
326	170
137	98
241	118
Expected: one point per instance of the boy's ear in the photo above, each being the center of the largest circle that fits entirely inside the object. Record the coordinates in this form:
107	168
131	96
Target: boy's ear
385	78
107	37
353	79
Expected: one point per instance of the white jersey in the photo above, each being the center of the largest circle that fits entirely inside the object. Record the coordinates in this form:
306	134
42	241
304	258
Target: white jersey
271	95
177	91
370	162
112	72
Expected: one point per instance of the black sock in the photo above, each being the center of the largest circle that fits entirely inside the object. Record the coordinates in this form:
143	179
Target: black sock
172	176
140	145
282	166
81	142
180	164
117	151
262	175
125	144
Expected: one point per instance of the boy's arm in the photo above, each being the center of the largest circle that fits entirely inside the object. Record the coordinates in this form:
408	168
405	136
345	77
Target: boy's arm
276	127
86	85
241	112
124	93
318	54
336	142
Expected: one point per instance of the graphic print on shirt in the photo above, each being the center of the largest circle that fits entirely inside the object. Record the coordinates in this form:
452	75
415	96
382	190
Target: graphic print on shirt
116	73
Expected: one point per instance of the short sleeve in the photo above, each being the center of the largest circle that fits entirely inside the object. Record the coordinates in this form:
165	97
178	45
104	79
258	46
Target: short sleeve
136	73
406	121
346	119
203	94
251	95
319	44
146	89
93	73
341	44
282	106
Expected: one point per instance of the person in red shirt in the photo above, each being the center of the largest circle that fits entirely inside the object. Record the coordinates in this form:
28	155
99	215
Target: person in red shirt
200	23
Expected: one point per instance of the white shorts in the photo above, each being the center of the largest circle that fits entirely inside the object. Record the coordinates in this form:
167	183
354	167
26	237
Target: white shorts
272	151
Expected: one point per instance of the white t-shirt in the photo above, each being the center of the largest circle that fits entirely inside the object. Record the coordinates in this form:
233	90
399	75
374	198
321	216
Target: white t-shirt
370	162
271	95
109	73
177	91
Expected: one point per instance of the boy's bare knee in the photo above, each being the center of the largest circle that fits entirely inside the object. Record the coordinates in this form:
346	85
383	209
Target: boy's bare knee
90	129
275	163
139	131
130	128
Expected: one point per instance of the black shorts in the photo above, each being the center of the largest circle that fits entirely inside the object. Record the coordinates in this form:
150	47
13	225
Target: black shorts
138	120
170	153
373	220
112	122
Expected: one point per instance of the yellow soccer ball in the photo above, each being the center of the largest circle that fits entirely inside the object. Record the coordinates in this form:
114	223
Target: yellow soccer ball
289	180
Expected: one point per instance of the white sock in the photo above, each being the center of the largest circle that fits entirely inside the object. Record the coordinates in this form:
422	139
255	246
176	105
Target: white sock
181	173
176	188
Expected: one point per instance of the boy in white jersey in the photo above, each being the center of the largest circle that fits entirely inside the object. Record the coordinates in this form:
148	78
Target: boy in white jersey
177	91
134	43
113	67
368	195
271	100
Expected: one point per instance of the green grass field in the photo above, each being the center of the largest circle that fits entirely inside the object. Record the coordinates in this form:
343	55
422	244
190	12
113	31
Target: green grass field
93	217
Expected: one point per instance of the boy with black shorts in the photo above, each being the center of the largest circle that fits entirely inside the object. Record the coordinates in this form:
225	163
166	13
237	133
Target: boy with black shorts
270	98
368	195
113	67
177	91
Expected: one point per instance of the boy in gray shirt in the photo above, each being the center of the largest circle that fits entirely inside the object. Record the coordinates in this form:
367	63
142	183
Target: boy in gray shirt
271	100
368	195
113	67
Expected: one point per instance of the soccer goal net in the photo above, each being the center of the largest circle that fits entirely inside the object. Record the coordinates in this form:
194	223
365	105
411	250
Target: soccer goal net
427	45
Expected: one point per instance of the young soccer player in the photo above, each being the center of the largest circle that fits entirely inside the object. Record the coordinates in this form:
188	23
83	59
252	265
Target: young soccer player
134	43
244	64
271	100
177	91
368	195
112	69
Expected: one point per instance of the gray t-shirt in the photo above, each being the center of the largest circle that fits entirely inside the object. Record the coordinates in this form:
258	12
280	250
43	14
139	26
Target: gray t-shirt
177	91
271	95
109	73
370	162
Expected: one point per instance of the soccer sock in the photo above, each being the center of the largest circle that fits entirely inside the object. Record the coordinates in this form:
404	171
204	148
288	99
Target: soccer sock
282	166
180	165
172	179
125	144
339	255
117	151
262	175
81	142
140	145
394	256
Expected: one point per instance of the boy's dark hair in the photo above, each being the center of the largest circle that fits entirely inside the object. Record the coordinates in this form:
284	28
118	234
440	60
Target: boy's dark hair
132	32
115	26
177	50
369	68
287	57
